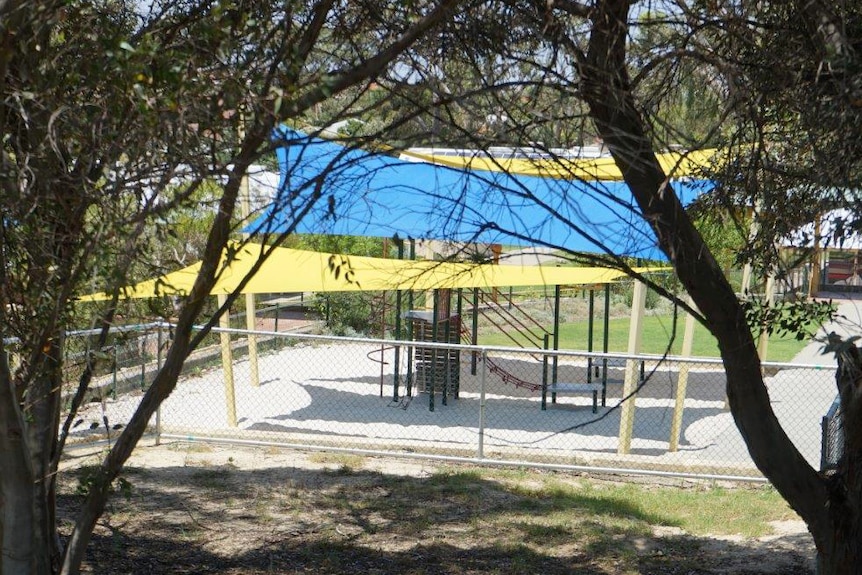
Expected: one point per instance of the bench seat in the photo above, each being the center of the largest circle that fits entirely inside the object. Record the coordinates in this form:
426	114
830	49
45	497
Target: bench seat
562	387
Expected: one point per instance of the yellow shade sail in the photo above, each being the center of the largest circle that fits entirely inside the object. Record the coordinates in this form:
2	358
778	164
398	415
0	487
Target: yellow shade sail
674	164
289	270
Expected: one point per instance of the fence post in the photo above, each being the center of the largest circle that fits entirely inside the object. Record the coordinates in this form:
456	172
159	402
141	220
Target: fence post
482	379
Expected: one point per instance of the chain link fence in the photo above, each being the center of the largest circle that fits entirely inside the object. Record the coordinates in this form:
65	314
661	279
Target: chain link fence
523	407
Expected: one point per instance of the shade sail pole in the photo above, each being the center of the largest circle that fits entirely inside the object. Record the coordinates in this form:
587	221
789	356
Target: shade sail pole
250	307
682	382
627	410
227	362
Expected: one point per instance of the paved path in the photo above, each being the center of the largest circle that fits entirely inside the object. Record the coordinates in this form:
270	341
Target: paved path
847	322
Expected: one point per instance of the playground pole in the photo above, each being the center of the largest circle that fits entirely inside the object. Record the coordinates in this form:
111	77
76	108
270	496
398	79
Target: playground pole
459	312
627	410
410	329
816	261
545	377
679	404
158	368
430	385
590	325
482	405
397	330
474	334
605	340
447	375
763	340
250	307
556	360
227	363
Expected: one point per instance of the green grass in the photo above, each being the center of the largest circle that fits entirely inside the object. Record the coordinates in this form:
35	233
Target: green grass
657	333
702	510
454	519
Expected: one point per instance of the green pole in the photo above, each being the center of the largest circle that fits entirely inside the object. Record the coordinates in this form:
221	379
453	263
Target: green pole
433	352
606	335
474	334
545	376
447	333
397	331
556	363
460	308
410	329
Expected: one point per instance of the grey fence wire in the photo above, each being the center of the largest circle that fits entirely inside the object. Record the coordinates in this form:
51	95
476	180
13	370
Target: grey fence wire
419	399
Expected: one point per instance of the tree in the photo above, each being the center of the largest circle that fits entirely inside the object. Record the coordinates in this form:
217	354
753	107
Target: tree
106	106
785	101
789	73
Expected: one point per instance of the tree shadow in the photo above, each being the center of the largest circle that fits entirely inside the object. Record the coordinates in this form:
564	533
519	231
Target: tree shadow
220	519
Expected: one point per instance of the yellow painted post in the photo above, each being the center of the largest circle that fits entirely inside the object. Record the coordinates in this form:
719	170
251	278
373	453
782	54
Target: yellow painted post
250	308
746	269
682	382
251	325
227	364
816	261
632	377
763	340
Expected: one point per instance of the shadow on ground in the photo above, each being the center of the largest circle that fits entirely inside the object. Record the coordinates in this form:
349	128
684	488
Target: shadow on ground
205	518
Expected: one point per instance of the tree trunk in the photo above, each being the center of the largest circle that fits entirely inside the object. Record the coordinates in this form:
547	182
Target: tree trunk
43	416
841	552
605	87
17	494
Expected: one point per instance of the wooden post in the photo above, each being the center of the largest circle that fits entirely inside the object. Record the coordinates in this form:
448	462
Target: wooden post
816	261
746	269
763	340
632	377
682	381
250	308
227	364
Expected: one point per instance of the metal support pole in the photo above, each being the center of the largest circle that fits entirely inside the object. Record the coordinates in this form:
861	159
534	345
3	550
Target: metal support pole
158	369
605	340
590	326
434	350
397	359
545	376
459	313
410	350
474	334
556	362
482	381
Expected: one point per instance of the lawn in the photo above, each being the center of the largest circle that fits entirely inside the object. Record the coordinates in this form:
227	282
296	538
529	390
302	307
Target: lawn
658	333
229	510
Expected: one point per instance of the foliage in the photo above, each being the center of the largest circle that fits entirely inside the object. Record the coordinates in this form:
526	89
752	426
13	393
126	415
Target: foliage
346	313
797	319
126	132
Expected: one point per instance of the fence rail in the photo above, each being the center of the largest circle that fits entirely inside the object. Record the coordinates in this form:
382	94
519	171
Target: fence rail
334	393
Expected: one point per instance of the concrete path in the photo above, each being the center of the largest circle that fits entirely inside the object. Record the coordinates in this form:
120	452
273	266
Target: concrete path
847	322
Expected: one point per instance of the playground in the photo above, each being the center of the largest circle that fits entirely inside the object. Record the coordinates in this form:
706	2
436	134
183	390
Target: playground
330	393
429	394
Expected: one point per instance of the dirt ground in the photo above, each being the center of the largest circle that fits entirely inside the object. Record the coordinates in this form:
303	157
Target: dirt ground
184	508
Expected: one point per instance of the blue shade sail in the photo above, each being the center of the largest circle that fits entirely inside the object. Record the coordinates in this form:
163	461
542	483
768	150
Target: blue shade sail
334	189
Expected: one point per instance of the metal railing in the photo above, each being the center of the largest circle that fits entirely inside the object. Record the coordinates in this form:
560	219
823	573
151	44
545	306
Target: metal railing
320	392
